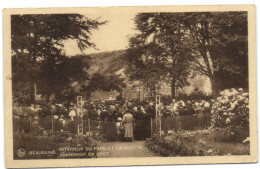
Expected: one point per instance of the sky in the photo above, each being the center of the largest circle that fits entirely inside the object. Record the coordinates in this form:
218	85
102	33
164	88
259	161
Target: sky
113	35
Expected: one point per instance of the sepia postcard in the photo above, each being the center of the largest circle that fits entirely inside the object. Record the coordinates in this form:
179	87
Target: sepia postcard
124	86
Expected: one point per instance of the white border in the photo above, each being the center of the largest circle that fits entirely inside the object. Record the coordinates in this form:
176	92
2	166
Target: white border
82	3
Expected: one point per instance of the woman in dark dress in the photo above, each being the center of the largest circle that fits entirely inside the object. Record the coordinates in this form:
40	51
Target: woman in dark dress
103	116
111	125
139	128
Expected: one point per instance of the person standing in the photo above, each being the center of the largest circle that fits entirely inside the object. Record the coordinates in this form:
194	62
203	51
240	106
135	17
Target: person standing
175	113
177	118
200	116
103	116
119	129
111	125
128	120
139	128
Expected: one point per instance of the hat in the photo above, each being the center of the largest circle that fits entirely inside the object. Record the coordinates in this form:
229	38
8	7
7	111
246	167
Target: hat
129	107
206	104
240	90
112	107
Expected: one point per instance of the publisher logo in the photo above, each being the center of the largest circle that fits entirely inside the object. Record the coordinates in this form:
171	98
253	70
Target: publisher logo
20	152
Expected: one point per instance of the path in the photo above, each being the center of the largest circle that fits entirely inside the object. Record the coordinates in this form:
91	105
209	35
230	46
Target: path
123	149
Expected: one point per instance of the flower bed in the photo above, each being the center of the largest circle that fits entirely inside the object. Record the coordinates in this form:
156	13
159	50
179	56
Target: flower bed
178	144
194	143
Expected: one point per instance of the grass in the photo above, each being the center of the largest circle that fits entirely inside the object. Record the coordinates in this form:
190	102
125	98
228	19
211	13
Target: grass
195	143
226	147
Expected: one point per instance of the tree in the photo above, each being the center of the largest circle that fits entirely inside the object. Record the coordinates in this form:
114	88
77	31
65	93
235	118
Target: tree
158	53
59	78
97	82
115	82
176	44
37	43
105	83
220	41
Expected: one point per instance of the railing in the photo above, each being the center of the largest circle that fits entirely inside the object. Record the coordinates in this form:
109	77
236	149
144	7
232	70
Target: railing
106	129
142	128
187	122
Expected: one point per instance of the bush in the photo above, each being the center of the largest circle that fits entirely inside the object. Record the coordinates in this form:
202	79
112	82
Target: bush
166	99
32	143
230	115
195	95
53	143
179	144
23	111
194	143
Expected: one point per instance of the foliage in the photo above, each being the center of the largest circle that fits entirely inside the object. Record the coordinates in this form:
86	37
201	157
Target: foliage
38	56
24	111
178	144
166	99
105	83
55	144
193	143
208	43
31	143
59	78
219	39
230	114
195	95
157	53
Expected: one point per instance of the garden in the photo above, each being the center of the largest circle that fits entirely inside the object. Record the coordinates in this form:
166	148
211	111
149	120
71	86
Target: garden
228	133
56	146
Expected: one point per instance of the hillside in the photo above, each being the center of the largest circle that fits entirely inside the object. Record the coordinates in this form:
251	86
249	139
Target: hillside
106	62
113	63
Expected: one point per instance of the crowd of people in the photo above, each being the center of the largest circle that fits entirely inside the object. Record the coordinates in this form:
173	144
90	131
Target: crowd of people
115	120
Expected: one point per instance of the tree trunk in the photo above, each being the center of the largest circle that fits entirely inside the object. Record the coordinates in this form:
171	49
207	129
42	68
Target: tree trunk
213	86
32	85
173	88
206	55
32	92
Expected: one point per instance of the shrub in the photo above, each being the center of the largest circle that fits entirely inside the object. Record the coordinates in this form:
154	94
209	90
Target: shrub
53	143
179	144
32	143
23	111
194	143
195	95
230	114
166	99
